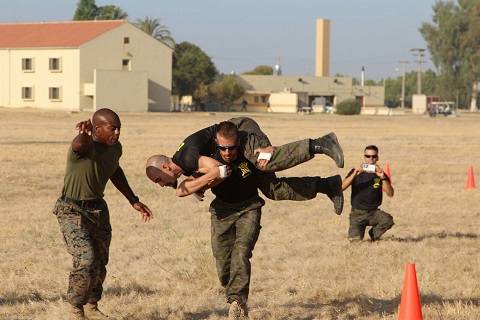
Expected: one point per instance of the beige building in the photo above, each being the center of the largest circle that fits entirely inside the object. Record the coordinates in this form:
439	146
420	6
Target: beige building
300	93
83	65
289	93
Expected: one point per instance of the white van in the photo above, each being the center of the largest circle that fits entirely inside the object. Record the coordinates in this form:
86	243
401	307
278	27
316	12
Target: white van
321	105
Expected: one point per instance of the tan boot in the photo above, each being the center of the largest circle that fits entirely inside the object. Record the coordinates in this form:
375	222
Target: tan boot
75	313
237	311
93	313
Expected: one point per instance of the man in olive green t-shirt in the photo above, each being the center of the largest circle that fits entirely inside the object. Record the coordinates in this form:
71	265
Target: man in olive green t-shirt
82	213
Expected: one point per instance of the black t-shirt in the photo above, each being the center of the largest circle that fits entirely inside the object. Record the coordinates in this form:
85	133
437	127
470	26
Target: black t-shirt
241	185
366	191
199	143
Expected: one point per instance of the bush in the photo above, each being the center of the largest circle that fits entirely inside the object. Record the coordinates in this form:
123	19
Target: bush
348	107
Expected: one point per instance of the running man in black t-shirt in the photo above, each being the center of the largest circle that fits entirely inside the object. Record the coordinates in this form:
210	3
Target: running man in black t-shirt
165	172
236	210
188	159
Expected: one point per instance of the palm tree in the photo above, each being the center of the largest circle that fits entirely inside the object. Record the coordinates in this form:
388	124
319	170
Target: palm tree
156	30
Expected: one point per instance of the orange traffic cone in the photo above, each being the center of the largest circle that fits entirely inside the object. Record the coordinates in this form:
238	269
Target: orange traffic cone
410	307
387	171
470	179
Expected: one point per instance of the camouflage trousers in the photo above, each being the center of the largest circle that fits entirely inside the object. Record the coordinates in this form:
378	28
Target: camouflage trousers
234	231
87	234
360	219
289	188
284	157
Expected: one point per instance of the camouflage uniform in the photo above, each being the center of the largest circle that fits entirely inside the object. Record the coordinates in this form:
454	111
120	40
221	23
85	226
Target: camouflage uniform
84	219
360	219
366	198
235	229
87	233
284	157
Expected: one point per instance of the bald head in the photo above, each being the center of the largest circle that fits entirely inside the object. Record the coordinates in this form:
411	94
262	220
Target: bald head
105	115
106	126
157	161
158	170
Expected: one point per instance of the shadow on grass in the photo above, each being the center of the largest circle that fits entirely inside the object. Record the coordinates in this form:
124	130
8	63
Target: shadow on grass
441	235
342	309
12	298
135	288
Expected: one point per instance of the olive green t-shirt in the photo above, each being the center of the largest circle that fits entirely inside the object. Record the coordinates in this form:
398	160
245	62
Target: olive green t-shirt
87	174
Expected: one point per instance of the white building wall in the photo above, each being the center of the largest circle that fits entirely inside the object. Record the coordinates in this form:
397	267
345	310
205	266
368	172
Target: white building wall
121	91
145	54
40	78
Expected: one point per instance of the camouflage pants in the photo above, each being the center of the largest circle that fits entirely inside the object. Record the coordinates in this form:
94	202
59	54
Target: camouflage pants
288	188
234	230
360	219
284	157
87	234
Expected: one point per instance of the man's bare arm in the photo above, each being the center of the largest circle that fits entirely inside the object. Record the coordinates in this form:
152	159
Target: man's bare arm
211	177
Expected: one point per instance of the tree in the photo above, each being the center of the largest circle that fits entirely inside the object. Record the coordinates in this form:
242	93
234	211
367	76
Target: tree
191	68
471	44
261	70
111	12
453	42
227	90
86	10
156	30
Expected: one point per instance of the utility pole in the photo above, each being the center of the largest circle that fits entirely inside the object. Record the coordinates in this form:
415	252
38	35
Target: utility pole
403	83
419	61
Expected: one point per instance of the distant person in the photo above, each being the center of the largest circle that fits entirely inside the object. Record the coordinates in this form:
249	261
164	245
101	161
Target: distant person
244	105
268	106
367	184
82	213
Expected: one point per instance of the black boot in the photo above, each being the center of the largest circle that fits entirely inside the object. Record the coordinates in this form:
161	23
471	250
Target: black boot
332	187
329	146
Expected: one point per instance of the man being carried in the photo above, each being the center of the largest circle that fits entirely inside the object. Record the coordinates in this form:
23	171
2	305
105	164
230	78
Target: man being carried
251	140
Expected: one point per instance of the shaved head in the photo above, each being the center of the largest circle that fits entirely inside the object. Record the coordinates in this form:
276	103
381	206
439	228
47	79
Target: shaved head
158	170
106	127
105	115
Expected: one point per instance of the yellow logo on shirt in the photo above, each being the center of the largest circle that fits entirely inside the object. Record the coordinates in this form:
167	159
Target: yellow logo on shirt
376	183
245	170
180	146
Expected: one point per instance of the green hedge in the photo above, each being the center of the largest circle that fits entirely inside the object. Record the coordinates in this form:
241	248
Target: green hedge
348	107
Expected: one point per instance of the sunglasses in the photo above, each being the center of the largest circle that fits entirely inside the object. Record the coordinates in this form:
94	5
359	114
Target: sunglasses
223	148
374	156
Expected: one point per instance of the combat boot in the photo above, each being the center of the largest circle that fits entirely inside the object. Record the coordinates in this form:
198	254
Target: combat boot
237	311
93	313
328	145
75	312
332	187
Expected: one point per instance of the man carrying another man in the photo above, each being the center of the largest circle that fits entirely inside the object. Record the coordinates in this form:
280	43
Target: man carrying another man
251	140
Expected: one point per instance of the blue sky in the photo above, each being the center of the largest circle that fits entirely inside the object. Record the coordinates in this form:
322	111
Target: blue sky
240	35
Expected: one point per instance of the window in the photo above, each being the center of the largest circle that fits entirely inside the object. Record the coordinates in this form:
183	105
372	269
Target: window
54	93
126	65
27	64
126	40
255	99
54	64
27	93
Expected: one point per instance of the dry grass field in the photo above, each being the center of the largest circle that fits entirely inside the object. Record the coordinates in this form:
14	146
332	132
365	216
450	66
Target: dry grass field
303	265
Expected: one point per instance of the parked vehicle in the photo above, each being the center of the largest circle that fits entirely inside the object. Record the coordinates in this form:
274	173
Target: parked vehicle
322	105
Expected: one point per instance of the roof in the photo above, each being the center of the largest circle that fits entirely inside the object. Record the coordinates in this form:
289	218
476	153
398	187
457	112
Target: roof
53	34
